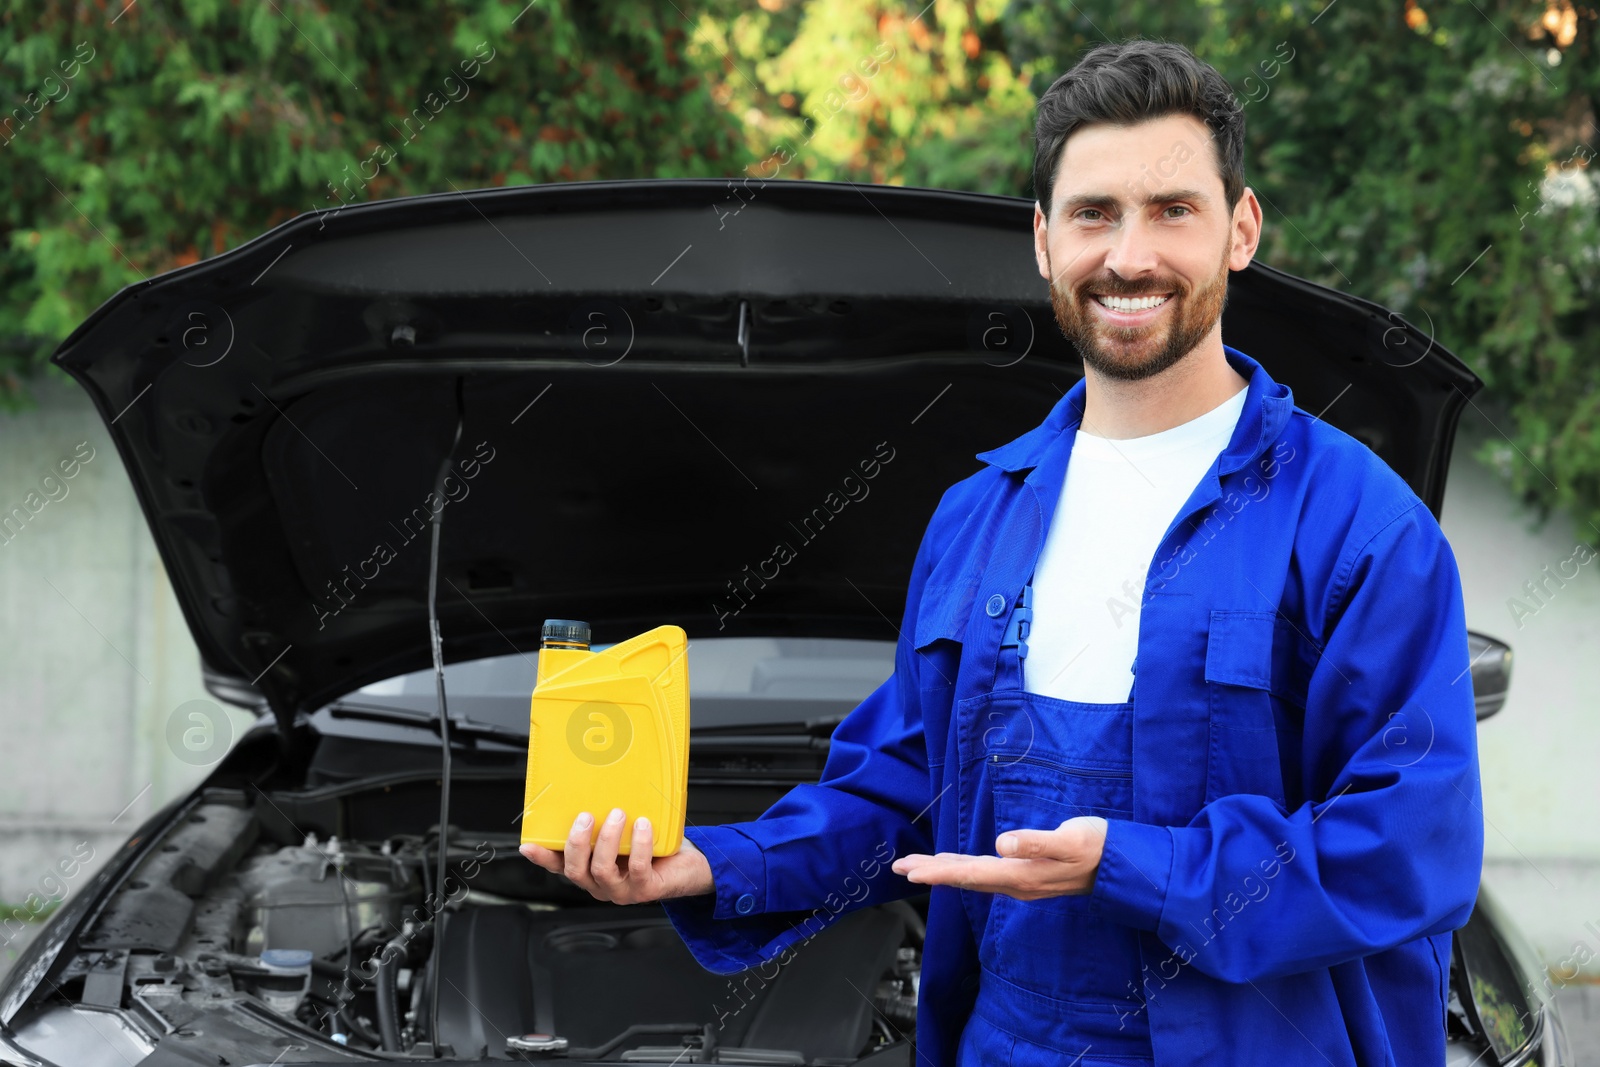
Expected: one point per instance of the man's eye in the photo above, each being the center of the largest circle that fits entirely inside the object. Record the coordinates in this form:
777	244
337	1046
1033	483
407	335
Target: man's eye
1089	210
1178	207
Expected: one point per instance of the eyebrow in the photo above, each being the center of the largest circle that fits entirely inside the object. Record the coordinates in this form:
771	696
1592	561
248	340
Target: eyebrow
1101	200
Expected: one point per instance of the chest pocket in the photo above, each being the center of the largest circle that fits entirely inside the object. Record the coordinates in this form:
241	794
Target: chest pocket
1249	677
1239	648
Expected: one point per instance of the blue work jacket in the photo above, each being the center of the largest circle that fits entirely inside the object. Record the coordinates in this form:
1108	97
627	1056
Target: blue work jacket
1307	824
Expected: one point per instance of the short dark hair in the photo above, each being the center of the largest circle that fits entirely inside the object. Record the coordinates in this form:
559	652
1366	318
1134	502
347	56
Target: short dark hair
1127	83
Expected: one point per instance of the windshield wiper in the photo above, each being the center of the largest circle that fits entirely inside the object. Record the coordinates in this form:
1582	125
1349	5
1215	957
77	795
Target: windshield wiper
807	733
795	729
467	730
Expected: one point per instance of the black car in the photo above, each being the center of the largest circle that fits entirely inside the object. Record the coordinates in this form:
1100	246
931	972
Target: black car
430	424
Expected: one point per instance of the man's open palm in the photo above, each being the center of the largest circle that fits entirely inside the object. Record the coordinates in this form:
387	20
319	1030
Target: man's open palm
633	879
1032	865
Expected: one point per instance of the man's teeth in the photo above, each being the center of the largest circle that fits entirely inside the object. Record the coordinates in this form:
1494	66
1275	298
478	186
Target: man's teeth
1123	303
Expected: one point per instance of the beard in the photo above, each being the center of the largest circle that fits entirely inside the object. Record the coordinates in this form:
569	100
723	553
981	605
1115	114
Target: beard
1131	353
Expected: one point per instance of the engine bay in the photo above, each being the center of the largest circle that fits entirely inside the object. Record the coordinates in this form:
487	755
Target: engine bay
248	925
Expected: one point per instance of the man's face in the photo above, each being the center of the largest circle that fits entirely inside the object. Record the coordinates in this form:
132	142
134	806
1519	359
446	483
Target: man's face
1140	212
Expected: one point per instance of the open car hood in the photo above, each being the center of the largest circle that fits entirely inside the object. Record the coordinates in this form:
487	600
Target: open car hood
659	382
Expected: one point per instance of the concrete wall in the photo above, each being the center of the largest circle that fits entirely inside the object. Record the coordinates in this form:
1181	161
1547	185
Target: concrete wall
95	659
1539	755
96	666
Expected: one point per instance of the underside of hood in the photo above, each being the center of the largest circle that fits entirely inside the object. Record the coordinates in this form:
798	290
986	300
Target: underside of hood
728	406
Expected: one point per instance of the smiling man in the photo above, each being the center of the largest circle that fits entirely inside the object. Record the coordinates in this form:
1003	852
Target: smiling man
1180	733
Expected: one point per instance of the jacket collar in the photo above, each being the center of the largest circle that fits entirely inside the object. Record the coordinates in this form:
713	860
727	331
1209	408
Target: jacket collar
1267	405
972	558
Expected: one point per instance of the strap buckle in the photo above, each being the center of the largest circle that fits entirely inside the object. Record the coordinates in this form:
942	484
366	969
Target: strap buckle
1020	624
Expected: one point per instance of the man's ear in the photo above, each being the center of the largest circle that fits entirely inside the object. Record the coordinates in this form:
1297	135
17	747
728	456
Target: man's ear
1246	229
1041	236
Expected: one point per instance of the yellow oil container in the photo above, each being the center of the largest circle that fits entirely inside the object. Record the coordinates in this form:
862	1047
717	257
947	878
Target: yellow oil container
608	729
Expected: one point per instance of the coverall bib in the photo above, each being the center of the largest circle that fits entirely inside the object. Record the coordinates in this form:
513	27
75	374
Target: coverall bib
1057	984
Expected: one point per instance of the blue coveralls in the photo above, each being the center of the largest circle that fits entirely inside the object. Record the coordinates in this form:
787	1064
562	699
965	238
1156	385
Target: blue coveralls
1303	825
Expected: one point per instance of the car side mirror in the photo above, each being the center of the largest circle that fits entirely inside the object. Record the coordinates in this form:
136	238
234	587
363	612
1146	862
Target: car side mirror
1491	672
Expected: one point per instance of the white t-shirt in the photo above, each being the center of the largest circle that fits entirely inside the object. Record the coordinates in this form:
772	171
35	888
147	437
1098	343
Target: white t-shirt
1118	500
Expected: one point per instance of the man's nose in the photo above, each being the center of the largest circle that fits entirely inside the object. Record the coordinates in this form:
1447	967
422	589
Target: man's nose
1133	251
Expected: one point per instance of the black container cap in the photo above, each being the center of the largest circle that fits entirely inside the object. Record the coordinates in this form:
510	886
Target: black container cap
571	630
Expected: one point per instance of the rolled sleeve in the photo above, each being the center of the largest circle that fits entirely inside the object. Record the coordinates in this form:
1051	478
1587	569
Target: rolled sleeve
738	868
1130	886
725	929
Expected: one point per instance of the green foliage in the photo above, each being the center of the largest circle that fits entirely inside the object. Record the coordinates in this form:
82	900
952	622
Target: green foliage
188	128
913	93
1433	159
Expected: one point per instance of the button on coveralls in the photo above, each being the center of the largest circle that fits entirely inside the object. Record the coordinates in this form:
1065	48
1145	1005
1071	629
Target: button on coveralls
1304	825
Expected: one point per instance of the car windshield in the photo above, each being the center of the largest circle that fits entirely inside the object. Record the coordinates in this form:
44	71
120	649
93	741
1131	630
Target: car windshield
733	682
